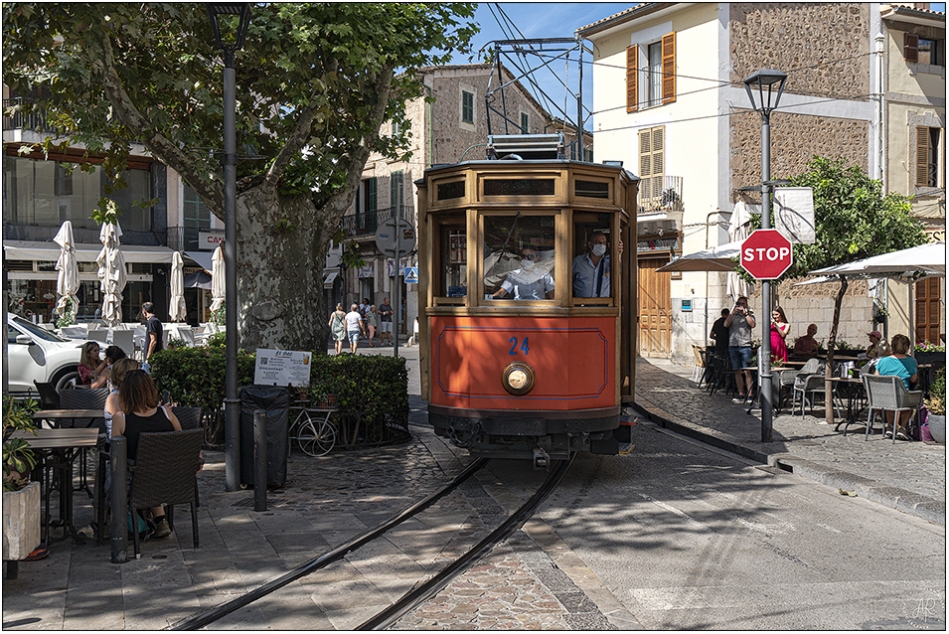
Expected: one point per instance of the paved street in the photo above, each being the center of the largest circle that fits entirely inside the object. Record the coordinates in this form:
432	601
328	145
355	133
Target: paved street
675	535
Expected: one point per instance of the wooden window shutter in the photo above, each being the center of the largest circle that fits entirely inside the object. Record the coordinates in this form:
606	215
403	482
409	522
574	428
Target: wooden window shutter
669	67
658	160
645	164
632	78
922	156
910	47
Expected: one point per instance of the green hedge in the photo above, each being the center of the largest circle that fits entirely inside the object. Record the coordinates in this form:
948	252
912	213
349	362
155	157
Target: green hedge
371	391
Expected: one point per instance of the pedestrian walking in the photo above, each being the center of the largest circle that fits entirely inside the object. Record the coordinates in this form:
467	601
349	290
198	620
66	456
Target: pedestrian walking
354	327
372	319
385	321
337	324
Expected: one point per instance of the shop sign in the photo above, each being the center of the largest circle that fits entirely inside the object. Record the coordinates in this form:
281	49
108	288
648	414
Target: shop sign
282	367
208	240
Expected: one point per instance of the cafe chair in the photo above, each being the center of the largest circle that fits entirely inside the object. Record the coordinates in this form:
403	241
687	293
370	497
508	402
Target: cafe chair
189	417
85	399
698	372
49	397
888	394
809	381
166	473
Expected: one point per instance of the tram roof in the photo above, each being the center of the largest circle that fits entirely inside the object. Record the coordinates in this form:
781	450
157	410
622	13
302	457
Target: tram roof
524	162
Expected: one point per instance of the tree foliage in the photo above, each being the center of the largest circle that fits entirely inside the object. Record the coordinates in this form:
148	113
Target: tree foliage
853	218
315	81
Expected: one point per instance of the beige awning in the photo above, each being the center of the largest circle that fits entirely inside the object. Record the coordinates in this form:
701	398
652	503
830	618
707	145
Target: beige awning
49	252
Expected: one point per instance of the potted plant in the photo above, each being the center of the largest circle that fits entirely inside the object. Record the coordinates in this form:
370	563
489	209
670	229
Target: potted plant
936	404
927	353
21	498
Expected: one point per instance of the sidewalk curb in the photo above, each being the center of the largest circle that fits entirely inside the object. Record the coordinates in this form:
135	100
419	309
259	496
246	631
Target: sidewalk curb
923	507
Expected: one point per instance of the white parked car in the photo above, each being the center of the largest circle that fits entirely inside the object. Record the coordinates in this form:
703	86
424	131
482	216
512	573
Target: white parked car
37	354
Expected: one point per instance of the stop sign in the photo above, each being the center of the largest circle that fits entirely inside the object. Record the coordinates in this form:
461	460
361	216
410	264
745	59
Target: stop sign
766	254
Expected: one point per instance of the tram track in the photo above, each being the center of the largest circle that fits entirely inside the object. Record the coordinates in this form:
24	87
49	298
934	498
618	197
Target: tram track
419	593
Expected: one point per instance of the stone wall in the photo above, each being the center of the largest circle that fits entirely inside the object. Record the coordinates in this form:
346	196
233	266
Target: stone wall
795	139
823	47
814	304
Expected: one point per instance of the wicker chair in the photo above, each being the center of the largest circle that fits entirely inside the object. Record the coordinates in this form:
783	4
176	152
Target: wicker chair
165	473
85	399
888	394
49	397
189	417
810	380
698	372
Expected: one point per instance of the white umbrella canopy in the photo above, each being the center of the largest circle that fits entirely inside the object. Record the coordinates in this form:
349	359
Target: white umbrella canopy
67	282
927	260
217	279
738	231
715	259
177	309
112	273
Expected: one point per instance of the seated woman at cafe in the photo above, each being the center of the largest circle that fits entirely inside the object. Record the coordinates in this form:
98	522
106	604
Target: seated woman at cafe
117	373
904	366
90	367
806	346
140	412
878	347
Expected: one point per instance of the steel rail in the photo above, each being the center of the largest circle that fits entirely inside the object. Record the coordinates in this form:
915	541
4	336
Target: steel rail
422	593
210	616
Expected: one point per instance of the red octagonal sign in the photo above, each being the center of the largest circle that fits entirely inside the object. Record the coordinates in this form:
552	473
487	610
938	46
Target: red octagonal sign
766	254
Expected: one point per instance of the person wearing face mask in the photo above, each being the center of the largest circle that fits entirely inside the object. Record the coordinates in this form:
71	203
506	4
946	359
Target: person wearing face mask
591	270
528	281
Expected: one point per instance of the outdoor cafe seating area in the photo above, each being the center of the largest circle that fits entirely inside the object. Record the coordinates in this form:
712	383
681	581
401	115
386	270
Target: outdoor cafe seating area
799	385
130	337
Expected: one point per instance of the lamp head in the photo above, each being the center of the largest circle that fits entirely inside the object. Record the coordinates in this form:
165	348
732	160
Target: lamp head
217	10
769	85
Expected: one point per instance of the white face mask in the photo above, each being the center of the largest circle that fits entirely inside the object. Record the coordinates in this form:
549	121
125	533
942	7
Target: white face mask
528	265
599	249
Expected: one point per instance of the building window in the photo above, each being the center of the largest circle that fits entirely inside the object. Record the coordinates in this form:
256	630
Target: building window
931	52
927	156
525	123
397	194
652	165
195	216
659	74
467	107
46	194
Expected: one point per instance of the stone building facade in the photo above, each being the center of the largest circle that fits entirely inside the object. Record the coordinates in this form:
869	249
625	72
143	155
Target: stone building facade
699	54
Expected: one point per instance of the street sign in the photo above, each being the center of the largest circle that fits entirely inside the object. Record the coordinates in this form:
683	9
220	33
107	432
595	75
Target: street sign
395	237
766	254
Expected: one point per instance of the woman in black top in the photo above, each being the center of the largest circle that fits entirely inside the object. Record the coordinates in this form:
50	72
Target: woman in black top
140	412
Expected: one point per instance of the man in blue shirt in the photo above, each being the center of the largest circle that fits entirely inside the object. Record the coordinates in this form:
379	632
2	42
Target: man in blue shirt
591	270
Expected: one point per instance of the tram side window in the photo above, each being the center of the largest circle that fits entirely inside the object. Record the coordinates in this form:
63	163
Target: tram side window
454	260
519	257
592	264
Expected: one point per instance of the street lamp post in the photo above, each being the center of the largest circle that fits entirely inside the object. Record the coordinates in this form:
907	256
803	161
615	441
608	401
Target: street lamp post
767	86
232	412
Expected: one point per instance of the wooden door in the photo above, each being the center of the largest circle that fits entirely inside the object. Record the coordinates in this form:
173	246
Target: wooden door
655	309
928	309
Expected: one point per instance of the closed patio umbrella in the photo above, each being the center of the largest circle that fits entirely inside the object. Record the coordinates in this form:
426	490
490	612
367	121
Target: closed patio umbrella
112	273
177	310
738	231
67	281
217	279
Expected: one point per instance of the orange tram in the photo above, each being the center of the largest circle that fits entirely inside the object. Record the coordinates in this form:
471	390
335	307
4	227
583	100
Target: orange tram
527	324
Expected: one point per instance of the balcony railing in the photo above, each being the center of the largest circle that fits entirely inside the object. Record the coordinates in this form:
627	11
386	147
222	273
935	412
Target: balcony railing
660	193
365	223
183	238
22	118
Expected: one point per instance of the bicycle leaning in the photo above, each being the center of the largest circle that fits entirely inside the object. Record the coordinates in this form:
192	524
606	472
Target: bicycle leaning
312	428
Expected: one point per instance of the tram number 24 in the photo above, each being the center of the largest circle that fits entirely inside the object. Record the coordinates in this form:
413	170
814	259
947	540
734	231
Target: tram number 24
514	348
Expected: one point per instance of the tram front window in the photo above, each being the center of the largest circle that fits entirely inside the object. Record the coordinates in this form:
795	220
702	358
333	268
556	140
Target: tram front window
519	257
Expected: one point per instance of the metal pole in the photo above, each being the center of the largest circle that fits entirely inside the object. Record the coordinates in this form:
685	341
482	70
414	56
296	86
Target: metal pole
260	460
398	298
765	378
118	529
231	402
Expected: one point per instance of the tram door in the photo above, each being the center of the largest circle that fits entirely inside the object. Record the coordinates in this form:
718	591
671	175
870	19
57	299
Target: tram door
655	309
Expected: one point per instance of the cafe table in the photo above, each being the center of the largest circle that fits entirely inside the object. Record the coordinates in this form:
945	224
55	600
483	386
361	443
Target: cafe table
58	449
849	389
67	419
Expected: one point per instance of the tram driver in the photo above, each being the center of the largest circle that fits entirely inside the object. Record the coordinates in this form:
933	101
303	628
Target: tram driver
591	270
528	281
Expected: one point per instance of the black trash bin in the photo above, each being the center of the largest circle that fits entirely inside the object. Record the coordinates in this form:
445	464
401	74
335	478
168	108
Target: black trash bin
276	402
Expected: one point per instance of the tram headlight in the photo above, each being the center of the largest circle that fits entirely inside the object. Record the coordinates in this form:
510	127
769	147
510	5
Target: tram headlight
518	378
